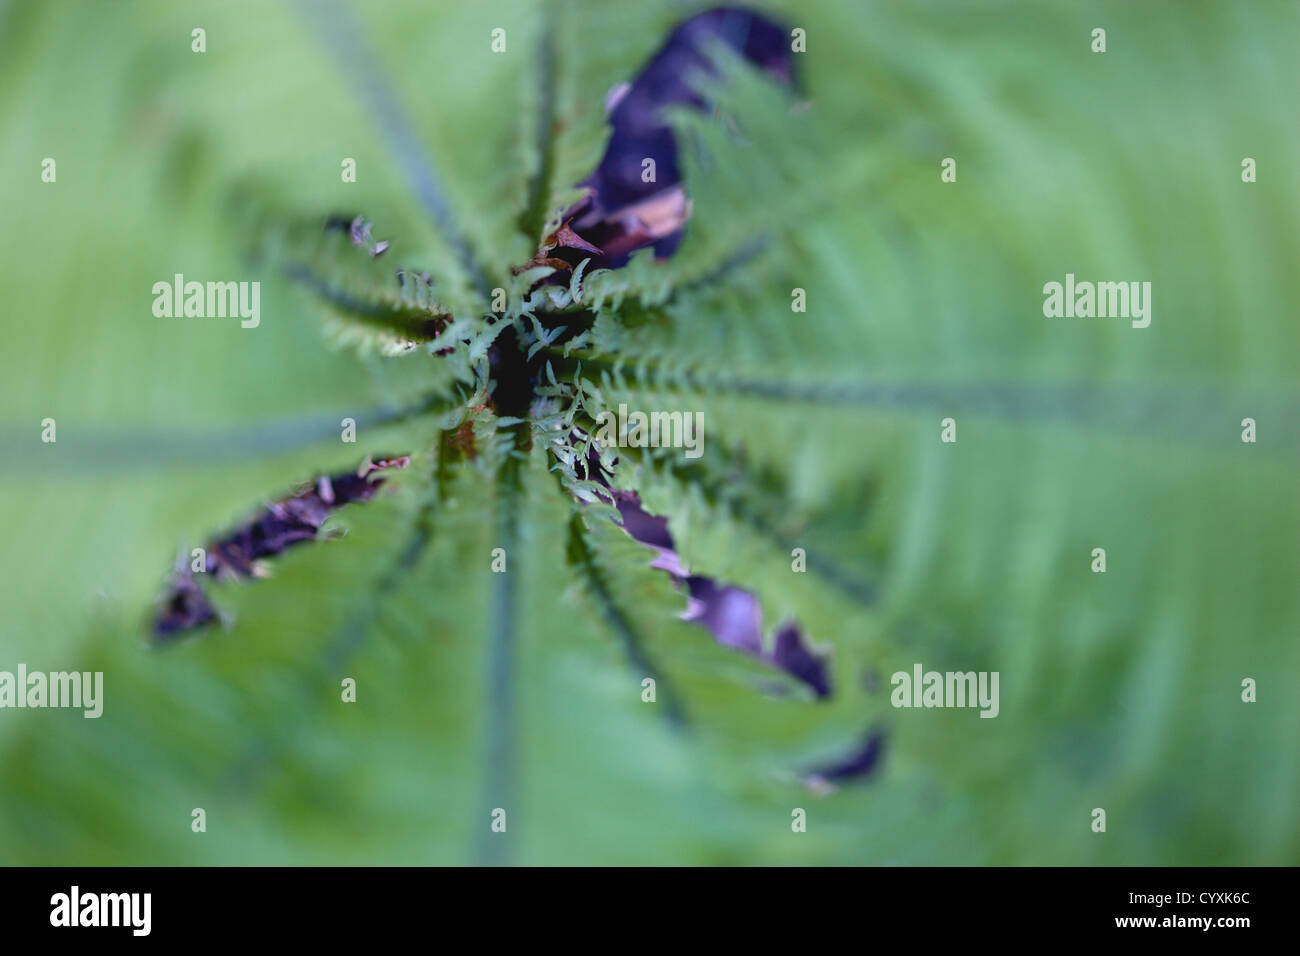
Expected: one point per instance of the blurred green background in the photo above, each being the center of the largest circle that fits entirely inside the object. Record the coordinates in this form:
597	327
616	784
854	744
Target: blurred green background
1119	691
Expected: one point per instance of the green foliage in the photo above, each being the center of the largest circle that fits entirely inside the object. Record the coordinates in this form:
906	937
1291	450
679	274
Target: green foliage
1119	690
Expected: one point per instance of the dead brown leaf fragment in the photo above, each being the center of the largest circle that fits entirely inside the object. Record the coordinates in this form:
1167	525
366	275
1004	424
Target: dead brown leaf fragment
282	524
566	238
562	238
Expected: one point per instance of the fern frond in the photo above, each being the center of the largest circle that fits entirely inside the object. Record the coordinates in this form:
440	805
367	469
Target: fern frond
585	558
538	203
345	39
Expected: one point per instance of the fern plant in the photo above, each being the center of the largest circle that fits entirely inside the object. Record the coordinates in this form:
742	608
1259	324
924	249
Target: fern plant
480	353
540	378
